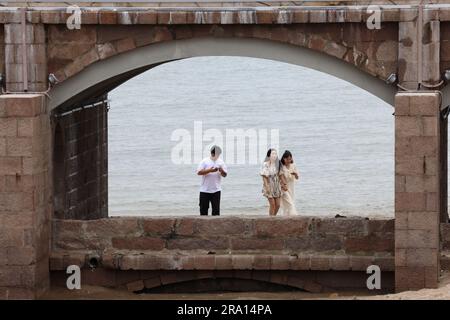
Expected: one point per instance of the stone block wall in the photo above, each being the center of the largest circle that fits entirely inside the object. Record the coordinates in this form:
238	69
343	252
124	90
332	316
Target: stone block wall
81	163
309	253
417	190
372	51
224	243
227	234
25	195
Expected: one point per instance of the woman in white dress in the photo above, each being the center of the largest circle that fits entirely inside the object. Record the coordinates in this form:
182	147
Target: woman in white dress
289	175
271	172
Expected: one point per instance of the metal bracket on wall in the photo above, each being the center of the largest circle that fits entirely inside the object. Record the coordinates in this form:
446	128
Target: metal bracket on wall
83	108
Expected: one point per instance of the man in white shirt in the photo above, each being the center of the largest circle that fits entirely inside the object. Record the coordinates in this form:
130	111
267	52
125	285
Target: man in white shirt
212	169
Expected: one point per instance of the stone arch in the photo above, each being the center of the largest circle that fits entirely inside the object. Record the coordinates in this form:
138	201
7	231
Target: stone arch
272	277
102	76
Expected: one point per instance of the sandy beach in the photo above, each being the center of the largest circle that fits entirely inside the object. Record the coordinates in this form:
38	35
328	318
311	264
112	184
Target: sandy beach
102	293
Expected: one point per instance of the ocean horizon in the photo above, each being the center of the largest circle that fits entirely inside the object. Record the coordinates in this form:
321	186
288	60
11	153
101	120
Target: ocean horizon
341	137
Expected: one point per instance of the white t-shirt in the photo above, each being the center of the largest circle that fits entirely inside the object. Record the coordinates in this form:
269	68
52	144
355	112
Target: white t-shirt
211	181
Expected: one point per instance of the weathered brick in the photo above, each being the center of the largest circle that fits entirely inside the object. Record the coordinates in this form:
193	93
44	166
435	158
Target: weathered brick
264	17
340	263
177	17
402	103
184	226
144	17
317	16
141	243
242	262
410	165
301	262
432	201
410	201
424	104
8	127
27	127
105	50
22	105
409	278
109	227
89	17
126	17
256	244
223	262
415	239
431	275
280	262
163	17
423	220
360	263
262	262
301	16
107	17
124	45
19	147
10	165
279	228
16	201
11	237
212	243
406	126
159	226
421	184
329	226
204	262
320	262
223	226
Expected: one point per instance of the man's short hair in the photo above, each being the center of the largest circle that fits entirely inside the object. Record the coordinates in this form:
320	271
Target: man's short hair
215	150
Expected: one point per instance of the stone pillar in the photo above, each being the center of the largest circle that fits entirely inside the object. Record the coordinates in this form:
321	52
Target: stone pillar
36	57
25	195
417	190
408	54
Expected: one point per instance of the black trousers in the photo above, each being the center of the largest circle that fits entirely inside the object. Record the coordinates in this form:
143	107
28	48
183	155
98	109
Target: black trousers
205	199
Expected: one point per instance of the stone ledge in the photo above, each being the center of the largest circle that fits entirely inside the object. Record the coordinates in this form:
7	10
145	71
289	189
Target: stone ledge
59	260
22	105
231	234
220	15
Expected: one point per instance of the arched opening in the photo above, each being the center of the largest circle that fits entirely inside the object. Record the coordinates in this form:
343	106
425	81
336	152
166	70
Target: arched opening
223	285
337	142
95	81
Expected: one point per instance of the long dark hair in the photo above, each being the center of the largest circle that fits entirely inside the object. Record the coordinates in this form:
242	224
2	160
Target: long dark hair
286	155
268	157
